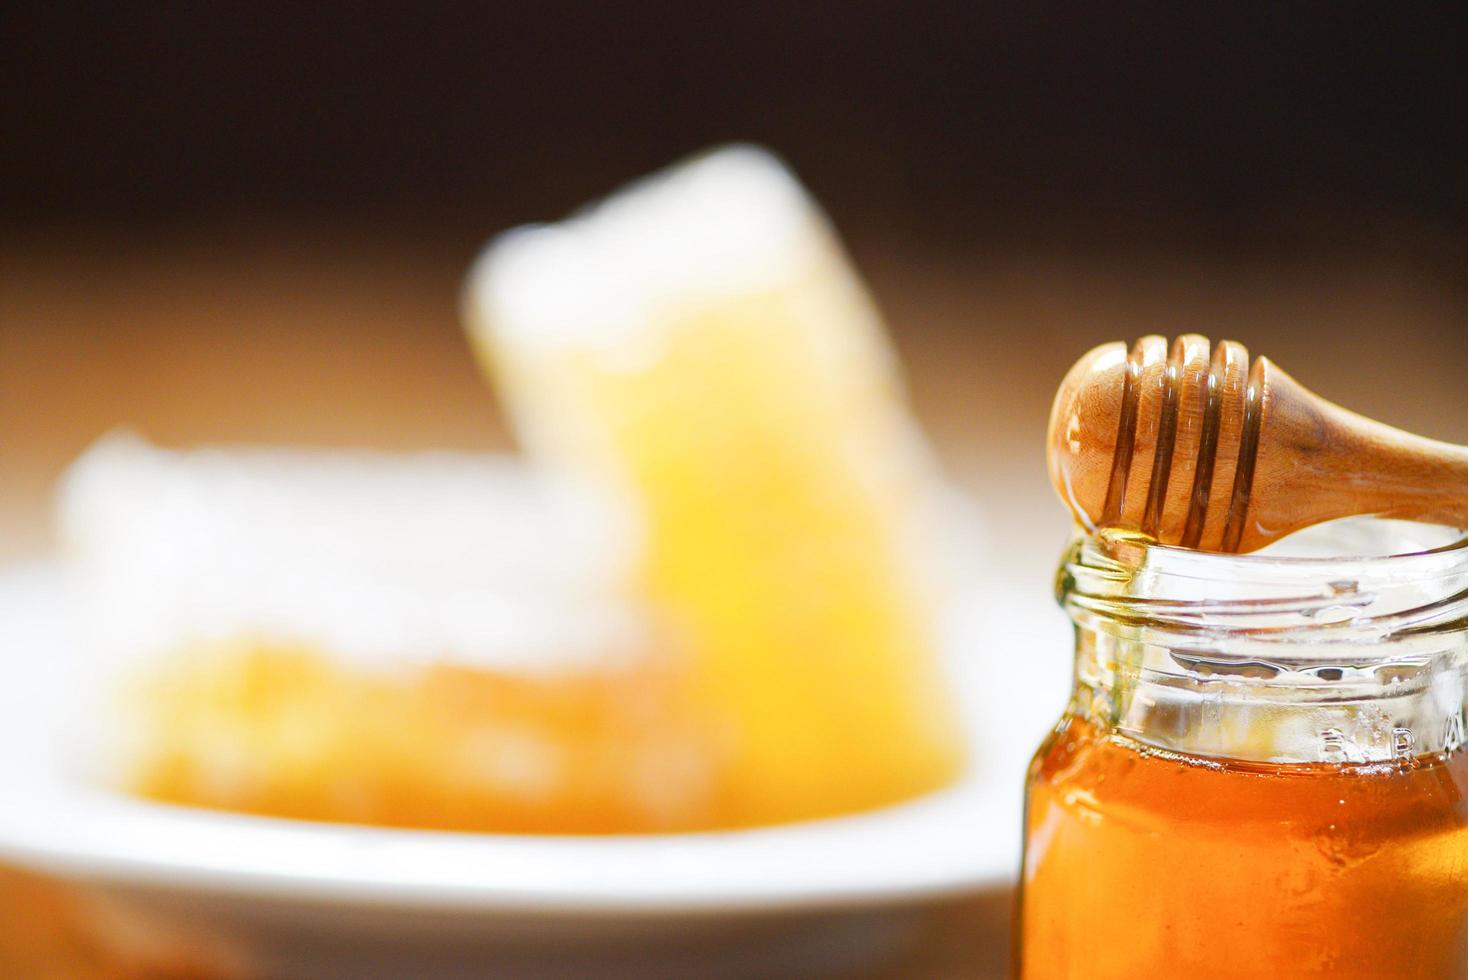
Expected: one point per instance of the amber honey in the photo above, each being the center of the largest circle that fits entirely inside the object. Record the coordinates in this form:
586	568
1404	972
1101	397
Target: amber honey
1141	864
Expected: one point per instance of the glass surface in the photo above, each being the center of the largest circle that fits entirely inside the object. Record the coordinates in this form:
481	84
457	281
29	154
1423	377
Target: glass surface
1260	771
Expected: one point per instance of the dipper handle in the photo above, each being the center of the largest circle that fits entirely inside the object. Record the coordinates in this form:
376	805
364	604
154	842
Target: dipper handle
1193	445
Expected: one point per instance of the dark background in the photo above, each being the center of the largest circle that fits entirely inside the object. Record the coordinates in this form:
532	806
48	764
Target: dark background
228	222
1036	123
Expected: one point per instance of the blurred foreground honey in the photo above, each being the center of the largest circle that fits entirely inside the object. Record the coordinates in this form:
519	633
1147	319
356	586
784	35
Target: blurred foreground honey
289	733
1142	863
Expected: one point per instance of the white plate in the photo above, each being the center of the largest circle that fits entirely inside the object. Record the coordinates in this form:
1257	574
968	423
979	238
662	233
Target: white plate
962	839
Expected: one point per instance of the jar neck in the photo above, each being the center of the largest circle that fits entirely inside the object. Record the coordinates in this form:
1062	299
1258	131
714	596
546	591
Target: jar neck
1392	710
1264	659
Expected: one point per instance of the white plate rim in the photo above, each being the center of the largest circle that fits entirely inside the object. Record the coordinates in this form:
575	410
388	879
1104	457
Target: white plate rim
961	839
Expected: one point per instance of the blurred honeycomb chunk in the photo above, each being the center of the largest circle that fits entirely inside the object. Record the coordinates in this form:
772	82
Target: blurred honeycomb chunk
698	350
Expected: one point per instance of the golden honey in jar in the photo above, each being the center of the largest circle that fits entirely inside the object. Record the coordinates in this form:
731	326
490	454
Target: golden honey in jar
1261	770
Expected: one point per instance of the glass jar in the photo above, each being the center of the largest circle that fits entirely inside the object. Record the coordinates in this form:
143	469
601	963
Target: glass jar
1260	770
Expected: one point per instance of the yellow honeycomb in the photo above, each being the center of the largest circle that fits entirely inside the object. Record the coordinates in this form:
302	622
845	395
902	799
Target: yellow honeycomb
698	349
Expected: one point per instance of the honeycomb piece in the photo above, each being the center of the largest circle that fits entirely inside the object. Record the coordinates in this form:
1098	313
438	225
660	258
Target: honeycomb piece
698	352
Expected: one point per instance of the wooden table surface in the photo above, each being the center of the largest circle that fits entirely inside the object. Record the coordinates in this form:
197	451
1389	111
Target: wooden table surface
344	336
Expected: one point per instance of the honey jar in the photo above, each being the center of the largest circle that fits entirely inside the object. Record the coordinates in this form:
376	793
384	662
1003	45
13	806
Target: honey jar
1260	772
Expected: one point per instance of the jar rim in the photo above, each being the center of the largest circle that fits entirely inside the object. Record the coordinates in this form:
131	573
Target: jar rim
1455	544
1121	583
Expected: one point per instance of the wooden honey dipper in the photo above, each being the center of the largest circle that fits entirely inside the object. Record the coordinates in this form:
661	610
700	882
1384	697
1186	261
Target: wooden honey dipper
1193	446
